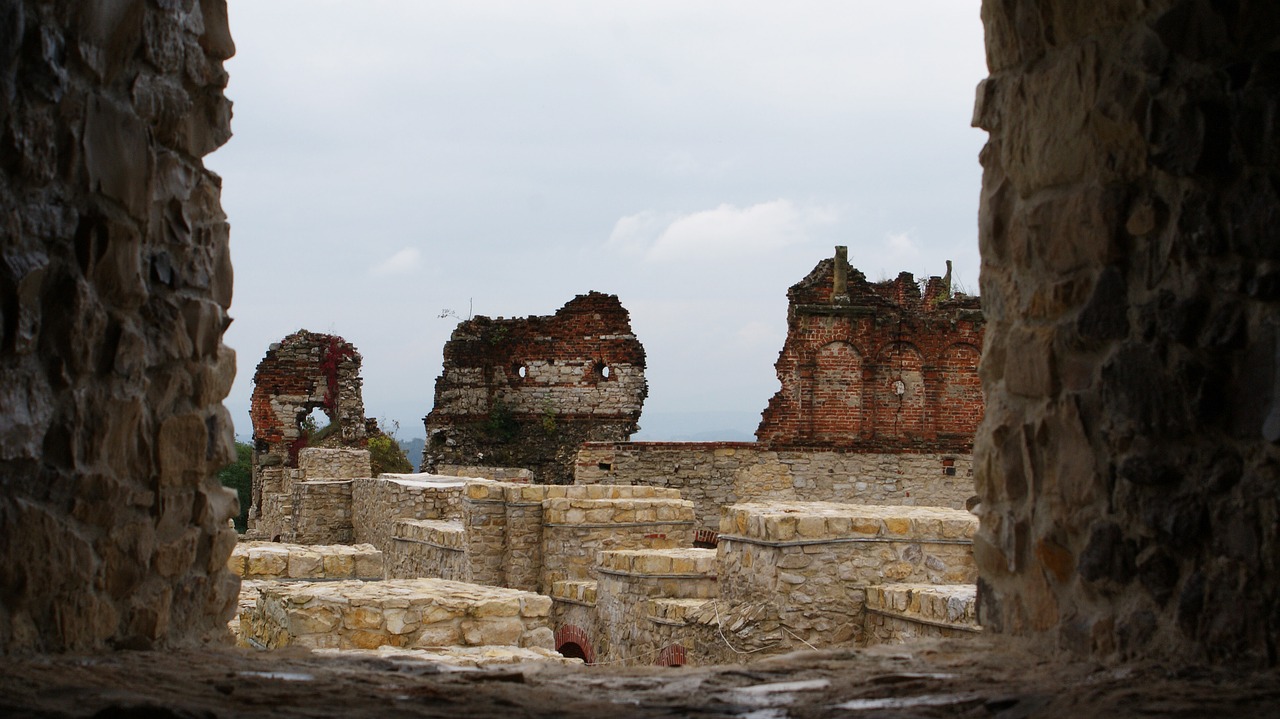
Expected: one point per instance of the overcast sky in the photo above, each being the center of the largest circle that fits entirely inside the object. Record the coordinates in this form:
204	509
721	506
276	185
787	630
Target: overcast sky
396	158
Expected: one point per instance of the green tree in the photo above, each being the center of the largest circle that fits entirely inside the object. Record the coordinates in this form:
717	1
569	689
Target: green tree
239	476
385	454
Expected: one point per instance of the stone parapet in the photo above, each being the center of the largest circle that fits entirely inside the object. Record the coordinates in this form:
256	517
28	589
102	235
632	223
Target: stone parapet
897	613
630	582
617	512
715	475
417	613
377	503
797	574
575	531
274	560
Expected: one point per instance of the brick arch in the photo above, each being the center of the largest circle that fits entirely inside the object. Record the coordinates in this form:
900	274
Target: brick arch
959	398
834	394
571	635
898	416
672	655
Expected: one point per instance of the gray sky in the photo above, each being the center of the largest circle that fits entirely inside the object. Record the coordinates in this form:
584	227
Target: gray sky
395	158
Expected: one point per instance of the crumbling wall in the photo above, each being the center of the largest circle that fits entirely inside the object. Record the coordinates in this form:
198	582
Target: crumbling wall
303	372
1131	272
528	392
115	279
881	367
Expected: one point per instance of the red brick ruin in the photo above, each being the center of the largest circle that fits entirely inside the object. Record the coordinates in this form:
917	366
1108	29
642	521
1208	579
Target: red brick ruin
528	392
303	372
876	367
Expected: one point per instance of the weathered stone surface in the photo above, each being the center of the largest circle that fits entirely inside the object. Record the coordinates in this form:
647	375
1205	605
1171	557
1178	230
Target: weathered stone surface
112	530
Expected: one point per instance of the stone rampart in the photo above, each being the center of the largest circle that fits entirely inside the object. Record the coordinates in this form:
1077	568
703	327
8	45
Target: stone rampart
324	463
497	474
715	475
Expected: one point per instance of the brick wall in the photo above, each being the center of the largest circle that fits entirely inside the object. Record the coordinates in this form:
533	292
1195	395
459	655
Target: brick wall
876	366
526	392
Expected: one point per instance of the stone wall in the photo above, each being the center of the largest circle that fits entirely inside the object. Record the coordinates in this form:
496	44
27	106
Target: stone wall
1128	469
115	279
429	548
319	463
322	512
377	504
577	528
497	474
878	366
796	574
716	475
527	392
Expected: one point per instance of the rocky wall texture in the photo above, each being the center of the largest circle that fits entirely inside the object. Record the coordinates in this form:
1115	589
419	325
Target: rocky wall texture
716	475
322	512
115	279
527	392
901	613
877	366
1128	464
635	593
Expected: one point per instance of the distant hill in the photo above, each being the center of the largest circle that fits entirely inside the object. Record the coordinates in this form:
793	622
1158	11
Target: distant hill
413	450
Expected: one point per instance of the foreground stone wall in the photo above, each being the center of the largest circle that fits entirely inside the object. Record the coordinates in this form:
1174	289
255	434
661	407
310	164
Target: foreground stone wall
1130	201
115	279
716	475
527	392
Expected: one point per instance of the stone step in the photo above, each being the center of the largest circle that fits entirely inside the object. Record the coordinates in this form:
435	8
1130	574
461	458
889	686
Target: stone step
799	522
576	592
660	562
897	613
437	532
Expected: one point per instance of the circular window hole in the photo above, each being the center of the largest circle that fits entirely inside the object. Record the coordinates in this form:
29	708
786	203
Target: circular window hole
520	370
603	371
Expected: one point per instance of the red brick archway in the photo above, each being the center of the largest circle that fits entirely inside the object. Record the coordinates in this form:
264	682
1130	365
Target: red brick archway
672	655
572	641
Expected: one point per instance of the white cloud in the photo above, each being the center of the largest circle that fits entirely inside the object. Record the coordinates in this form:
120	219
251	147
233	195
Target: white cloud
401	263
724	232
